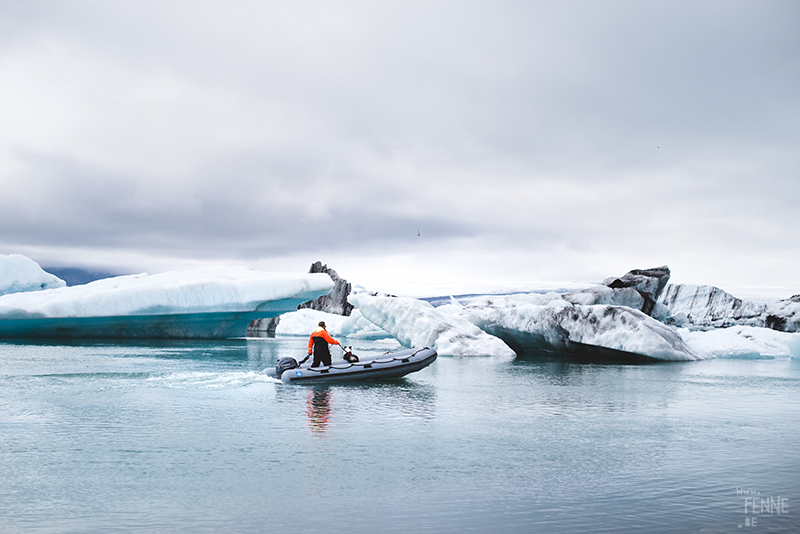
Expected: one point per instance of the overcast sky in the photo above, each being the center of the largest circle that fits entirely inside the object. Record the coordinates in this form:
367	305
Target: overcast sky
527	142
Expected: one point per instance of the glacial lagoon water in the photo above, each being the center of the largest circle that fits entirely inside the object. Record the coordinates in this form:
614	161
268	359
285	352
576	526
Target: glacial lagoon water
190	436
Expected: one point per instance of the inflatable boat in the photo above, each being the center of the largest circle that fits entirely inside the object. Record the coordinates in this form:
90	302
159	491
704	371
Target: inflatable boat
389	365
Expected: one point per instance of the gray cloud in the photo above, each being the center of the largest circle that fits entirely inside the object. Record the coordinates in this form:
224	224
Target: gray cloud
580	138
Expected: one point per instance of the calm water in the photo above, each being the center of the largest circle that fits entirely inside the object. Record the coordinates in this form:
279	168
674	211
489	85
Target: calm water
191	437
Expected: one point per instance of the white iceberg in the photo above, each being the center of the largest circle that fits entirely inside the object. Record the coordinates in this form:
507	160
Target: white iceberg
743	342
709	307
302	322
415	323
551	323
705	307
200	303
580	322
19	274
590	296
784	315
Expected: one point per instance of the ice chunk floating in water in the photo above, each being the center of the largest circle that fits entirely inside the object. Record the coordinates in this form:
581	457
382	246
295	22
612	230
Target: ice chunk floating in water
743	342
705	307
303	321
415	323
596	331
19	274
201	303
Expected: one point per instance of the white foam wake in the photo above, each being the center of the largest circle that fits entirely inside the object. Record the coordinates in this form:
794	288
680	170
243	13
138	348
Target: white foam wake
211	380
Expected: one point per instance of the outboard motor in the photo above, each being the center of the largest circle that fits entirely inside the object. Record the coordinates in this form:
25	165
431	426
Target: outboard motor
284	364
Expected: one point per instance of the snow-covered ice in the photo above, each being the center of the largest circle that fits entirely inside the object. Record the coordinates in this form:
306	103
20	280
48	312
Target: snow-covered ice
600	320
784	314
545	322
531	321
204	303
415	323
19	273
706	307
302	322
745	342
589	296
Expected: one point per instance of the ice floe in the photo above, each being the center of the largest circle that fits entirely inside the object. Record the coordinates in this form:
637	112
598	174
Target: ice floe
19	274
201	303
631	318
596	330
303	321
706	307
744	342
416	323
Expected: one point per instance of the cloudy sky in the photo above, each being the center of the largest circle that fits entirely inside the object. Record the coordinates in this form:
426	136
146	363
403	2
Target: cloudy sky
527	142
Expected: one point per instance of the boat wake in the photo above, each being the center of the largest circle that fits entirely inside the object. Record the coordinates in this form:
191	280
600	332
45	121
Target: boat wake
211	380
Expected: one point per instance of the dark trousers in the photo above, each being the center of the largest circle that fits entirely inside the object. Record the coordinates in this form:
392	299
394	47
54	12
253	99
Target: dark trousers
322	355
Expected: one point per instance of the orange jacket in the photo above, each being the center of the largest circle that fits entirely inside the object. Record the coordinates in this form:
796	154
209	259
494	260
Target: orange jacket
320	332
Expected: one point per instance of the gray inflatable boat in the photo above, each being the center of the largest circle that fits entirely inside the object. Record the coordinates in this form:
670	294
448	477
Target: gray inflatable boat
389	365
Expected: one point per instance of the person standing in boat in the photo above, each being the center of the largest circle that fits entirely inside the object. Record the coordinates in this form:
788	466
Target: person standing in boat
318	345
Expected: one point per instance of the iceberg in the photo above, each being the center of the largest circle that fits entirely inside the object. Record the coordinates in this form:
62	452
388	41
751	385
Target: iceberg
610	296
608	322
638	289
416	323
705	307
784	315
709	307
648	283
597	331
20	274
336	301
303	321
743	342
201	303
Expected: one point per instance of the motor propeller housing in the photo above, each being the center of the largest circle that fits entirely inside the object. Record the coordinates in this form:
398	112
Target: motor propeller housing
284	364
